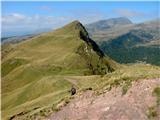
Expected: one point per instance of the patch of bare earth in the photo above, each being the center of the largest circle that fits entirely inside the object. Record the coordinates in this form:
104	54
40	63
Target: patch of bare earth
112	105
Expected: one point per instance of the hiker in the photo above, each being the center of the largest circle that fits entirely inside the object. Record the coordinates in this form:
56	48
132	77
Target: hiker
73	90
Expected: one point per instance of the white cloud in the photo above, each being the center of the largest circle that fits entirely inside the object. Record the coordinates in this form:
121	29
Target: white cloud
35	20
16	22
20	23
128	13
88	15
12	18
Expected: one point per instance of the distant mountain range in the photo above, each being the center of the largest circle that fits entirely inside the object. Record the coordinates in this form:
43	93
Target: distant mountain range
103	25
126	42
16	39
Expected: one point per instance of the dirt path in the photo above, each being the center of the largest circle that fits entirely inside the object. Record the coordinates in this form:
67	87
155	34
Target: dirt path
112	105
72	81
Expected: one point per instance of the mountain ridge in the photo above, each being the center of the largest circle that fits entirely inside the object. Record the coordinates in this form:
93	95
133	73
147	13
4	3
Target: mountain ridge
40	63
107	24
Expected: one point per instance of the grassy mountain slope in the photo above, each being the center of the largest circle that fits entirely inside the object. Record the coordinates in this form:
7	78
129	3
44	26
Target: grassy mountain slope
33	71
67	48
45	96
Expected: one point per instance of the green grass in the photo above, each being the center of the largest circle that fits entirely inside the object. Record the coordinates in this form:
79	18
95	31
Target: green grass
156	92
11	64
125	87
152	113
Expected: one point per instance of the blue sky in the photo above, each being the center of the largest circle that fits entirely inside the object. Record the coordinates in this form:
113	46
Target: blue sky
20	18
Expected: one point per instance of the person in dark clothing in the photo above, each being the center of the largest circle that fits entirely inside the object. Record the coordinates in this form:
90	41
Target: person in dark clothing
73	90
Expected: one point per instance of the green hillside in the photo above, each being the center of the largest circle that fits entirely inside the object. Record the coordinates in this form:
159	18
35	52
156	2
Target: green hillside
33	70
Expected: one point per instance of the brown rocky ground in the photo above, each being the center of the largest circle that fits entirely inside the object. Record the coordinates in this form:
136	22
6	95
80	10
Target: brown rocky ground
112	105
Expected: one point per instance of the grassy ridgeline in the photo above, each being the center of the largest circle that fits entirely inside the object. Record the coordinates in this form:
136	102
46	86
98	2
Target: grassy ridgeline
33	71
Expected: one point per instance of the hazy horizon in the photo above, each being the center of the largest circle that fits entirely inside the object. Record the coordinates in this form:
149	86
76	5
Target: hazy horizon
21	18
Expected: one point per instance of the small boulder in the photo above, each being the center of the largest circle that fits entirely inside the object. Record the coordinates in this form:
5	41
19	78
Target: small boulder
73	90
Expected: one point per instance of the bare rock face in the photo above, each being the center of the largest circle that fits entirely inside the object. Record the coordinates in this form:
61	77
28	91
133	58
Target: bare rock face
112	105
